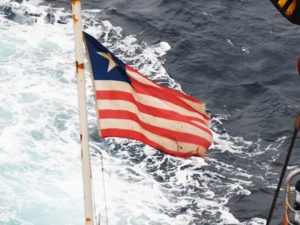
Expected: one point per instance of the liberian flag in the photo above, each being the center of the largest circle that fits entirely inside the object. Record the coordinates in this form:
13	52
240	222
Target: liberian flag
129	105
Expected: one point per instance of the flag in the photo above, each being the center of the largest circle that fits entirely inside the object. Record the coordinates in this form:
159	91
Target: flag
130	105
289	9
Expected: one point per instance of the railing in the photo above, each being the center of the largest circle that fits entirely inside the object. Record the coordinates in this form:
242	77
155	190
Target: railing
292	192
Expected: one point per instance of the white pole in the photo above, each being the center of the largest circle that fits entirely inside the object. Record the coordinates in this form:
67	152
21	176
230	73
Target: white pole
84	139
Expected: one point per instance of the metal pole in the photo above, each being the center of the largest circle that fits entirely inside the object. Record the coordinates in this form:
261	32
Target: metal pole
84	139
287	159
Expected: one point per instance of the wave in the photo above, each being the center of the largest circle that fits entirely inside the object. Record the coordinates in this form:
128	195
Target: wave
40	172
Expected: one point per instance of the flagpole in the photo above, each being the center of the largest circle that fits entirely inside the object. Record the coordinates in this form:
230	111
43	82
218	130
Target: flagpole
84	139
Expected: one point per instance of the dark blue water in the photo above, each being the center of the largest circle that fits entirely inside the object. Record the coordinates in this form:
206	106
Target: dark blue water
240	58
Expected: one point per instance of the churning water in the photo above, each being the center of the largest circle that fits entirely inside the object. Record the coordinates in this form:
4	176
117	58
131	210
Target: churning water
237	56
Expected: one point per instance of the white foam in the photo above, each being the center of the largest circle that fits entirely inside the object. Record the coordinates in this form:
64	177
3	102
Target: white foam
40	171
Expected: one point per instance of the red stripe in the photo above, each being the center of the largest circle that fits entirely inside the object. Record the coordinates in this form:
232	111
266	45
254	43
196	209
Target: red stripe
165	89
173	135
162	113
160	94
141	137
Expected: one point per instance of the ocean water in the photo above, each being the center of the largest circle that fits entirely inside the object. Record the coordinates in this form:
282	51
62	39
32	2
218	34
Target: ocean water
237	56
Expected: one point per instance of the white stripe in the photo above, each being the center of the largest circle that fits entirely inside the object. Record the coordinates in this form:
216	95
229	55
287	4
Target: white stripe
163	104
197	106
146	99
171	125
112	85
140	78
167	143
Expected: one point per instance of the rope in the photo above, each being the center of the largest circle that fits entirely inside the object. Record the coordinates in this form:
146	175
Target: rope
282	176
104	190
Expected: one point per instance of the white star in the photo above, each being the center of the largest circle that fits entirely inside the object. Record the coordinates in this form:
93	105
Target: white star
111	63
